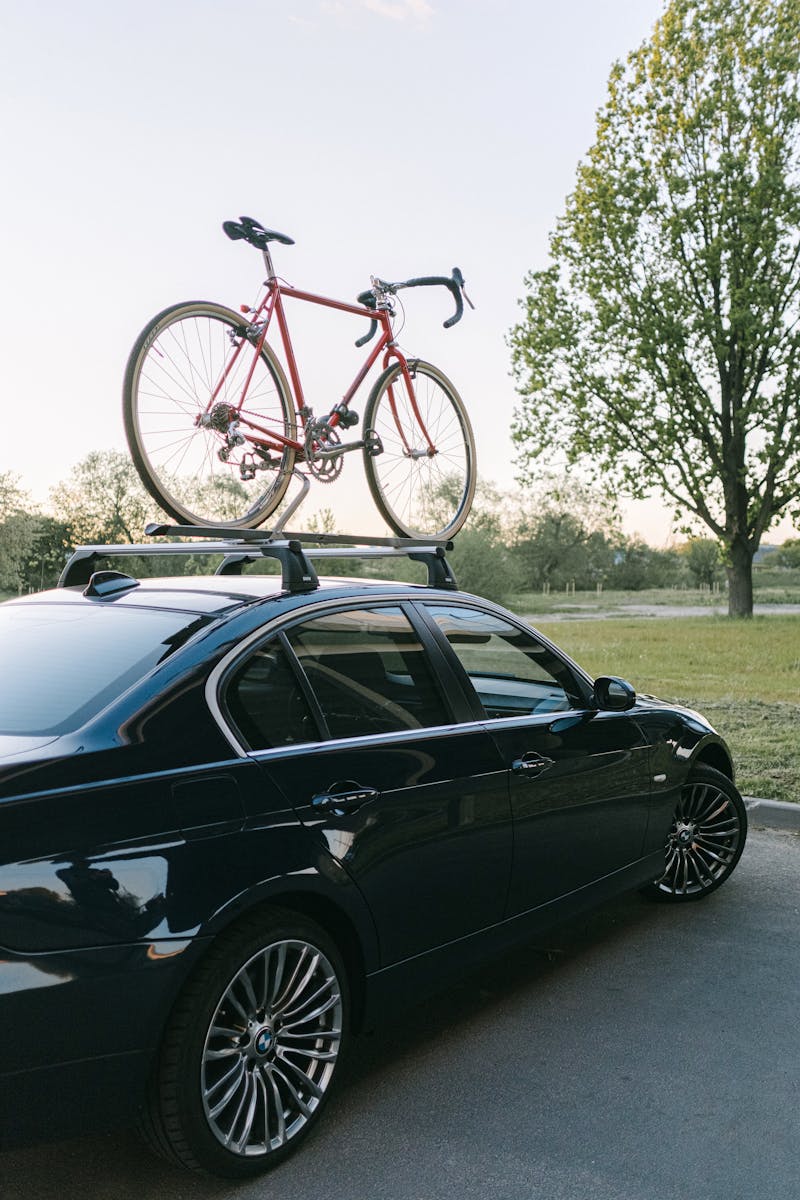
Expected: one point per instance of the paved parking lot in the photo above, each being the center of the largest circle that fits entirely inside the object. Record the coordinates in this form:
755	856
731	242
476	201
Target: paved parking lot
643	1053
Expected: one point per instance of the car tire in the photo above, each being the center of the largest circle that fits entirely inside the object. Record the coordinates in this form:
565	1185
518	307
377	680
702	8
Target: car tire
251	1050
705	840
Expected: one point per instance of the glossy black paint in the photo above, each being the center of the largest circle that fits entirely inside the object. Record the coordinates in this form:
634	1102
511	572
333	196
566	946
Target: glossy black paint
127	846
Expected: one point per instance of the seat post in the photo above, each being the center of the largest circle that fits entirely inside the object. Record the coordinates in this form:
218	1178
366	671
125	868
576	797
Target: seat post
268	264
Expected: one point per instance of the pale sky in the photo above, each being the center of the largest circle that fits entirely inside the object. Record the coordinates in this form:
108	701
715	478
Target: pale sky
387	137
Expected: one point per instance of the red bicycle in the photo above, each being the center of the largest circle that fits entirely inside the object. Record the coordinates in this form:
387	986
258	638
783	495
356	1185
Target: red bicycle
215	428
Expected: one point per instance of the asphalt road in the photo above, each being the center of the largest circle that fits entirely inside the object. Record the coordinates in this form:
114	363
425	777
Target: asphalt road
643	1053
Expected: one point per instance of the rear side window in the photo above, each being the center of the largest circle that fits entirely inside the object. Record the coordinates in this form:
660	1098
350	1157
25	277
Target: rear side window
368	671
266	702
60	665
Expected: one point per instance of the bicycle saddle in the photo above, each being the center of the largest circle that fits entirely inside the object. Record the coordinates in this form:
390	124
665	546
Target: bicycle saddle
254	233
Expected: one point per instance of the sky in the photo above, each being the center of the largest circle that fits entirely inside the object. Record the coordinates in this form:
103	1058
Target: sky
387	137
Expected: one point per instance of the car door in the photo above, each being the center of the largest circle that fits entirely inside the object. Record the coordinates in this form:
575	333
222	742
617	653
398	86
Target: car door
578	778
353	714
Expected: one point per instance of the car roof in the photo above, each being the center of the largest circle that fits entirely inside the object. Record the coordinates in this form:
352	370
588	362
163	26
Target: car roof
212	595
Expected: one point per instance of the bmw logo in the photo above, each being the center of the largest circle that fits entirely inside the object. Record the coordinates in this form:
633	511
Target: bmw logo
264	1041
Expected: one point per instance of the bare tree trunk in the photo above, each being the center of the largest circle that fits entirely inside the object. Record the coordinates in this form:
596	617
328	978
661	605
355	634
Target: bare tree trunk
740	578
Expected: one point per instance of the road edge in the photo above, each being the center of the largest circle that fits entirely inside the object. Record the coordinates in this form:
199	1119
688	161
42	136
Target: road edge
774	814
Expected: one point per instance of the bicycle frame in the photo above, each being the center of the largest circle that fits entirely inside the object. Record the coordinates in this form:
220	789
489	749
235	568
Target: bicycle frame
272	306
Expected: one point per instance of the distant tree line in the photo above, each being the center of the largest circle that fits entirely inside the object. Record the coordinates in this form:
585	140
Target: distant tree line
565	536
559	536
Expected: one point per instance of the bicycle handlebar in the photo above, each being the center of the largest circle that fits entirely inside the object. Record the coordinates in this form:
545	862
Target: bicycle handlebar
454	284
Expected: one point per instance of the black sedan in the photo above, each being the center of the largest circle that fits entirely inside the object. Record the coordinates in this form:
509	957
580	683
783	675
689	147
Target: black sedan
242	817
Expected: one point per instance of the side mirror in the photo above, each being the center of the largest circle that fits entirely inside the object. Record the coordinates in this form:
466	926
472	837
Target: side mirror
613	695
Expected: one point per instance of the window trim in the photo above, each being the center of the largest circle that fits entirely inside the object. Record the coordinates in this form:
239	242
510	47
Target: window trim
453	704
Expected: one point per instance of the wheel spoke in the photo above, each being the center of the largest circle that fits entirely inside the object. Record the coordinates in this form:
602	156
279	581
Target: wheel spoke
303	1078
280	968
299	1102
312	1016
236	1075
280	1120
308	1000
247	987
295	989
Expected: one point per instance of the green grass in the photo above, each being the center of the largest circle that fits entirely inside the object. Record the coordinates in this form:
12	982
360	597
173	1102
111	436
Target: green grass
744	676
769	587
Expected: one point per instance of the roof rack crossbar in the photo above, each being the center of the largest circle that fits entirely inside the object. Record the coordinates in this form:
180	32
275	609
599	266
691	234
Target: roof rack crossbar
249	545
297	573
266	536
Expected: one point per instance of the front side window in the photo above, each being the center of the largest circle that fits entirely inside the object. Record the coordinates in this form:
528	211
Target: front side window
368	671
512	672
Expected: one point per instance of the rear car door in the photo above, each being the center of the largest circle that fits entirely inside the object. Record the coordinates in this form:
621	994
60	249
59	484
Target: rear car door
353	713
579	779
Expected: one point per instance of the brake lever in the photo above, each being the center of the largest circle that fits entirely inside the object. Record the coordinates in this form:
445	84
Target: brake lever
458	280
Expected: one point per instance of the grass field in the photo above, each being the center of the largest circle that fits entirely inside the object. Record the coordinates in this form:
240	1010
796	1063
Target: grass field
745	677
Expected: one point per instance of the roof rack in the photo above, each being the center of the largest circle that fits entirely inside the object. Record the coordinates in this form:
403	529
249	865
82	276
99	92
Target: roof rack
250	545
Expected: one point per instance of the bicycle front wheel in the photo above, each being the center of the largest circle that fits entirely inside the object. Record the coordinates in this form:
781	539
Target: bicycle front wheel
423	478
182	399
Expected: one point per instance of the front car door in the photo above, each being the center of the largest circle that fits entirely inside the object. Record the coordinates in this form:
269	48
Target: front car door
579	778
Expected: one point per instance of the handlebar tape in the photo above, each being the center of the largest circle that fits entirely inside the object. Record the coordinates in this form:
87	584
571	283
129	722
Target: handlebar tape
368	300
453	283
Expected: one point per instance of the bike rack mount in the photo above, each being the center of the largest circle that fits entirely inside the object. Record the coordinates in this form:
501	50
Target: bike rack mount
243	546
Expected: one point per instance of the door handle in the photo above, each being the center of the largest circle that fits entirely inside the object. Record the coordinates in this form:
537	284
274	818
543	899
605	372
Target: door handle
530	765
342	798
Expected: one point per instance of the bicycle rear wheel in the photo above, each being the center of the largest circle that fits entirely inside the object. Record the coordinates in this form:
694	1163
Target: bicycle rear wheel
420	492
180	358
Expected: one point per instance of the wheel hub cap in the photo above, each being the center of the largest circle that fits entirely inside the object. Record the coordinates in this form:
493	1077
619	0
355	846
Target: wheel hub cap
264	1041
684	835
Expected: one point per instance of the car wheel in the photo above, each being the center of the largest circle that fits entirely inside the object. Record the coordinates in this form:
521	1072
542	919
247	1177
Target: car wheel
705	840
252	1048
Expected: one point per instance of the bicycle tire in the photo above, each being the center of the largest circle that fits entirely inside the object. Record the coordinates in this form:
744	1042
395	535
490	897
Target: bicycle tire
173	367
430	495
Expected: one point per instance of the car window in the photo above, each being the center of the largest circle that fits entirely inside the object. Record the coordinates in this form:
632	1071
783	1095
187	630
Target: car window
368	671
513	673
266	702
61	664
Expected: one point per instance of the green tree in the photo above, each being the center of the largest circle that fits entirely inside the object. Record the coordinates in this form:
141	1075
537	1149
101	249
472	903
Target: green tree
17	532
702	559
565	531
47	553
104	501
662	341
789	553
637	566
